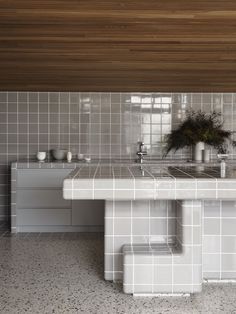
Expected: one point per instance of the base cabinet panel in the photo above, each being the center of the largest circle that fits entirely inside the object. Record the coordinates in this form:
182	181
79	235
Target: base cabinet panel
41	199
44	217
87	213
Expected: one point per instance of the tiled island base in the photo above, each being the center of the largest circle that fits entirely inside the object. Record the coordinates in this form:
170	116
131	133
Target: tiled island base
154	246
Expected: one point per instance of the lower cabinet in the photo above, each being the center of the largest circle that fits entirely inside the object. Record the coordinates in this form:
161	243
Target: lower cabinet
40	206
88	213
44	217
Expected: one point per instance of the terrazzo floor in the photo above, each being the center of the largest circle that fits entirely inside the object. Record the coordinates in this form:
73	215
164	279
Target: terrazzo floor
63	273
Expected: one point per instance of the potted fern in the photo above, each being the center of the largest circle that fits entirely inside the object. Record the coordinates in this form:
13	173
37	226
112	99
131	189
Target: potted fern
197	129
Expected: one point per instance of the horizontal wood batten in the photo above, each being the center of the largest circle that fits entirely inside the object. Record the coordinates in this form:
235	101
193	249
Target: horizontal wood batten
171	45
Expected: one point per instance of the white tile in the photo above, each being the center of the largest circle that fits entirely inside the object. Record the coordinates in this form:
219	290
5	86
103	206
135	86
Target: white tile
83	184
197	255
228	275
143	274
122	209
162	274
197	275
122	226
211	226
103	184
212	208
197	235
119	242
212	275
228	262
158	226
211	262
226	194
128	274
228	226
140	226
187	235
145	194
228	208
158	208
228	244
124	194
108	262
211	244
182	274
124	184
108	244
162	288
108	228
118	263
141	208
143	259
83	194
206	194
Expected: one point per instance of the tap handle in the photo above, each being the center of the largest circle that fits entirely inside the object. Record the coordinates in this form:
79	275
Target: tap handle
141	144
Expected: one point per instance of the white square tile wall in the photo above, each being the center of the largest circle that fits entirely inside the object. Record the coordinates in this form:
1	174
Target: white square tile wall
219	240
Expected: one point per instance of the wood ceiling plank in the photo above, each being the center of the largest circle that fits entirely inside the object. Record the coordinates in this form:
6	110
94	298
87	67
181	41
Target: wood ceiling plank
153	45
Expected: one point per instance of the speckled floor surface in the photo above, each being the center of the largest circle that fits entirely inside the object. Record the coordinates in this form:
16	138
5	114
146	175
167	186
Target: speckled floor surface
63	273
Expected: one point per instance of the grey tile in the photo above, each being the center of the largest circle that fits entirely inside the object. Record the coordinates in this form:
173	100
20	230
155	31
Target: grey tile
228	226
53	98
12	97
3	97
140	229
211	226
33	97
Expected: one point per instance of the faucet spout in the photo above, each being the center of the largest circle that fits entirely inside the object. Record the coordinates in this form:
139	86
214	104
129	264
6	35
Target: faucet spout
141	153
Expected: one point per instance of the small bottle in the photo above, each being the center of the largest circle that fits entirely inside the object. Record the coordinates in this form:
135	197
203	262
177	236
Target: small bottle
222	168
206	155
69	156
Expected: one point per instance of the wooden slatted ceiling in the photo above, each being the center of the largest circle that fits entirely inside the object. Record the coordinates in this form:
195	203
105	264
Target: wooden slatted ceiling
113	45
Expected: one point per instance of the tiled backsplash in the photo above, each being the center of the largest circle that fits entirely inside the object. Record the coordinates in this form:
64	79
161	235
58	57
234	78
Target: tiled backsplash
101	125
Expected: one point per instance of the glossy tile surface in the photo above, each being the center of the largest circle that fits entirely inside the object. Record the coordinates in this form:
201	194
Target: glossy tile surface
132	182
99	125
63	273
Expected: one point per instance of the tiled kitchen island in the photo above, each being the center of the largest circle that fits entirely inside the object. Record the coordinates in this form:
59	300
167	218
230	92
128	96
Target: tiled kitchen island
134	196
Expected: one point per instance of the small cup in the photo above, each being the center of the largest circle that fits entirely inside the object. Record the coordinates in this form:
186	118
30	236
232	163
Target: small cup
80	156
41	156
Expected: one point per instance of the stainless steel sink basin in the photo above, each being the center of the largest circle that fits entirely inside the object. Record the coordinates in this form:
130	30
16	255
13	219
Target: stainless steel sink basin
149	161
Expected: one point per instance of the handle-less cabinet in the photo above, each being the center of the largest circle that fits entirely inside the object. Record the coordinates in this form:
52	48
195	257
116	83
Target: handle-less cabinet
40	206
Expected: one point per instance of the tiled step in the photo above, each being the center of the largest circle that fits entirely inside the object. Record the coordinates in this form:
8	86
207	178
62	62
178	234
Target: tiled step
159	268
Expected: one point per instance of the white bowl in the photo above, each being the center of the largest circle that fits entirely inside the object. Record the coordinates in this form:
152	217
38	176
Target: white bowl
87	159
59	154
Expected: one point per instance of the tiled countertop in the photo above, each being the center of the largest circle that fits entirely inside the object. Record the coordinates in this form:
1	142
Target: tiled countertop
113	181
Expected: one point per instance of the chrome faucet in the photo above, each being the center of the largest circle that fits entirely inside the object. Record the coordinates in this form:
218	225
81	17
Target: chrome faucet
140	153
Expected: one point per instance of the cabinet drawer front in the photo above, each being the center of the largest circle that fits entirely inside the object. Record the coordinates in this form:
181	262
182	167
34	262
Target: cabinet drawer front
33	178
43	217
41	199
